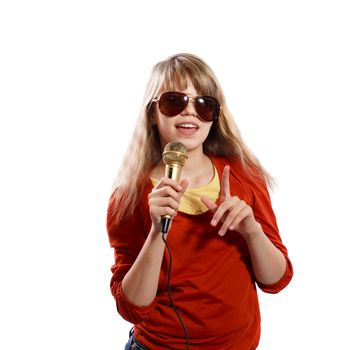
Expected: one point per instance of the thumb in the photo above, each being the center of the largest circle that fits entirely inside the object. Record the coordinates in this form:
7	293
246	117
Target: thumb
209	203
184	183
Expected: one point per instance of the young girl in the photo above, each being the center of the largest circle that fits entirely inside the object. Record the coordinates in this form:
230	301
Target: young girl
223	236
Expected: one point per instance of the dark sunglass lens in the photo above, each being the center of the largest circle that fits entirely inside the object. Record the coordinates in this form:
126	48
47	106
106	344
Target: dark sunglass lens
207	108
172	103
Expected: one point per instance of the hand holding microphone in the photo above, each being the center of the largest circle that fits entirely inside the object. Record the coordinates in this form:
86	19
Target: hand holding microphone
165	198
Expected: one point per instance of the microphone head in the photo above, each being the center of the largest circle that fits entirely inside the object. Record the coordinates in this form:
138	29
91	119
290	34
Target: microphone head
175	153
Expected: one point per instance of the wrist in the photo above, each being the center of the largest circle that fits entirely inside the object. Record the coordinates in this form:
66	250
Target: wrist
155	232
256	233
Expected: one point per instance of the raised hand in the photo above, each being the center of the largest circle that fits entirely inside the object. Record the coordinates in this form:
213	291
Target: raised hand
233	213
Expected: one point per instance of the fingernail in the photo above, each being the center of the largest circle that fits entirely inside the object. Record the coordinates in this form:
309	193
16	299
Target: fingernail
232	227
213	222
221	233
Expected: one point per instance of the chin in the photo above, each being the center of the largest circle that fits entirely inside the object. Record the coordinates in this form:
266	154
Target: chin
191	145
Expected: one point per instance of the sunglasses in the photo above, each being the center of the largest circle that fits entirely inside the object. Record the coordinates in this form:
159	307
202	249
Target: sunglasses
173	103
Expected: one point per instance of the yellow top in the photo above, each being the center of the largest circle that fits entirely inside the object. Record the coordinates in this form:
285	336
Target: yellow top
191	200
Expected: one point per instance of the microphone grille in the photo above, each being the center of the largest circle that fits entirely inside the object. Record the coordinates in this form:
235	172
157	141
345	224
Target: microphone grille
175	152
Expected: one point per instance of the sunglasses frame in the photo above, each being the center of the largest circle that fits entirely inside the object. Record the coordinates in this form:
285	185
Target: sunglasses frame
193	99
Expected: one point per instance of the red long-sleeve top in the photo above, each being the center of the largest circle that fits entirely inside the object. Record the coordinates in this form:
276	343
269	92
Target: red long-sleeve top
212	281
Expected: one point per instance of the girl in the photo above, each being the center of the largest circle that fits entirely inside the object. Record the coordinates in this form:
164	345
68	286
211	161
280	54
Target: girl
223	236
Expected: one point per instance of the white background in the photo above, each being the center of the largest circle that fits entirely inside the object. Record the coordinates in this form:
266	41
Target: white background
72	77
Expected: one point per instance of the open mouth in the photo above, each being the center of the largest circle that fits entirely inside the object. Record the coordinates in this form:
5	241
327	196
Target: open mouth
187	126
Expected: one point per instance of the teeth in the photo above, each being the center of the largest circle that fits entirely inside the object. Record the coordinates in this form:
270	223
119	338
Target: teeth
189	126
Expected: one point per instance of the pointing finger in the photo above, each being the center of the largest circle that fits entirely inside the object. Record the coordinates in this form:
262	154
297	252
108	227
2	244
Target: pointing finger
225	183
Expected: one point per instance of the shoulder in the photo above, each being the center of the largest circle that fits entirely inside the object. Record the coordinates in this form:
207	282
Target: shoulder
221	162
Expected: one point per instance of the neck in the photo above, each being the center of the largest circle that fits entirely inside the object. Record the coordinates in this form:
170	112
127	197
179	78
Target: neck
195	163
198	169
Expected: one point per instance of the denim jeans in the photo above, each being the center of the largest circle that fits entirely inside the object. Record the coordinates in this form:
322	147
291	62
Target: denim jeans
132	343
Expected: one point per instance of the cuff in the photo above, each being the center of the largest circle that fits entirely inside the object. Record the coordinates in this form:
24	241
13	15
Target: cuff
131	312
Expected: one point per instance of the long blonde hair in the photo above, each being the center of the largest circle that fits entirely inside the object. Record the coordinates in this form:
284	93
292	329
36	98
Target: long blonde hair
144	152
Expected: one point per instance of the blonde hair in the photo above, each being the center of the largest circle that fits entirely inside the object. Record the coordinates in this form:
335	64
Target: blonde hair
144	152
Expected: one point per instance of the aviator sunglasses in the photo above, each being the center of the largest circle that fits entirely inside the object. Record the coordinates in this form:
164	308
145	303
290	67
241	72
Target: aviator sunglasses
173	103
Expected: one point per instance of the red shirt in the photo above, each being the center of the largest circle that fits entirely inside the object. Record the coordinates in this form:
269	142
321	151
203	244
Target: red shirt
212	280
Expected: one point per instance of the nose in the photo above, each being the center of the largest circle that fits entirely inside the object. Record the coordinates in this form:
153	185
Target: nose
190	108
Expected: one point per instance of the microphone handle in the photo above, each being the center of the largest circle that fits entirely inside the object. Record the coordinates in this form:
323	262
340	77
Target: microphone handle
165	223
172	171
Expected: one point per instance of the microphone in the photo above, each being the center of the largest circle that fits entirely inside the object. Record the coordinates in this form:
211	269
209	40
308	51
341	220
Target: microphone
174	158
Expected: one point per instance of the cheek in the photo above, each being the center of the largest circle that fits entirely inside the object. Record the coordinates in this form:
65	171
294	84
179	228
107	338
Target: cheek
159	118
206	128
162	123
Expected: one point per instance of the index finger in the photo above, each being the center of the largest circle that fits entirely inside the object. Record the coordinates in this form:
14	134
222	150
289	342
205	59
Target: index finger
225	183
166	181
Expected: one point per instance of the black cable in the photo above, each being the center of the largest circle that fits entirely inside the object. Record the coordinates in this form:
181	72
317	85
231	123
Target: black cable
169	294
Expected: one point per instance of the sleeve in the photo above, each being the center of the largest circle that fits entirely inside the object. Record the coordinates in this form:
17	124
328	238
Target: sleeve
127	239
264	214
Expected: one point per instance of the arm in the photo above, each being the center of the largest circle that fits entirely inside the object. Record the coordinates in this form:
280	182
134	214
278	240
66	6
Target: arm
140	284
269	264
257	225
138	260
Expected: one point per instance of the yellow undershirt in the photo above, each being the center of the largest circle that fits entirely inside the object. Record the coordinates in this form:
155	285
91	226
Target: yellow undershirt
191	200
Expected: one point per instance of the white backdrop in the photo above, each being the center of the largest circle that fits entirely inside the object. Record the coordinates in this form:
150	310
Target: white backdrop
72	77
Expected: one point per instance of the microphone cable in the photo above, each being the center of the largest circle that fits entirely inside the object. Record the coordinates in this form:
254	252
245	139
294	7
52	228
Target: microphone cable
169	294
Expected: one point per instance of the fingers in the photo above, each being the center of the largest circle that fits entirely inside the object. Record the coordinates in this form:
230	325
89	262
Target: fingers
166	188
232	221
165	198
244	213
231	213
184	184
163	205
224	210
209	203
165	181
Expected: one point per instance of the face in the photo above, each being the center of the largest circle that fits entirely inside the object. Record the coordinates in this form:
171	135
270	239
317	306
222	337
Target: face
185	127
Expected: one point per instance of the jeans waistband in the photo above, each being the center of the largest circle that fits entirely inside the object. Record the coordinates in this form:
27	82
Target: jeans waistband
134	344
